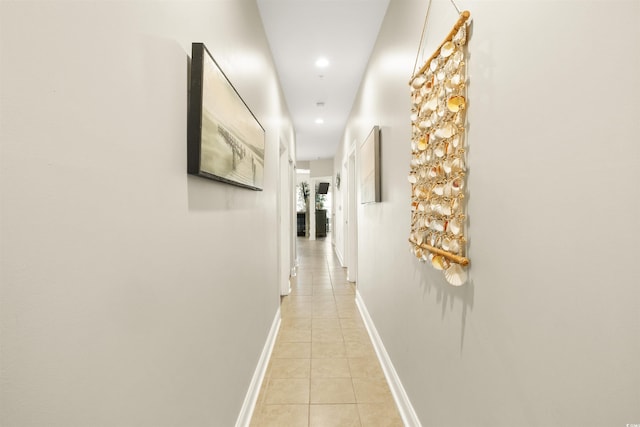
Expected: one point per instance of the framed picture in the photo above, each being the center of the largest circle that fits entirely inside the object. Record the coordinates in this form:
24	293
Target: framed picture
370	167
225	141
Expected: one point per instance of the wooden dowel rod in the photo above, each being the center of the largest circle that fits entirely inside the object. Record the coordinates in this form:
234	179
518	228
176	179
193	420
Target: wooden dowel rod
448	255
463	18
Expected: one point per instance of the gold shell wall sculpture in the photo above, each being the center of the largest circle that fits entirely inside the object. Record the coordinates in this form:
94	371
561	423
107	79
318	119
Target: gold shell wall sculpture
438	162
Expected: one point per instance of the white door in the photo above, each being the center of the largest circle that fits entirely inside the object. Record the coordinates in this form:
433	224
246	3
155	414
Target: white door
286	219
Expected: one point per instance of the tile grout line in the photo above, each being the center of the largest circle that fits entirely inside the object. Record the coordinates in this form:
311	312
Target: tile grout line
319	278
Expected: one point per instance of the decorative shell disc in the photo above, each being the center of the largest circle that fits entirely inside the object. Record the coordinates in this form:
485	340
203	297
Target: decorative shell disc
455	275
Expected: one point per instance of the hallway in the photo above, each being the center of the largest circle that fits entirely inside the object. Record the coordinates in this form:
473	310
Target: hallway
323	370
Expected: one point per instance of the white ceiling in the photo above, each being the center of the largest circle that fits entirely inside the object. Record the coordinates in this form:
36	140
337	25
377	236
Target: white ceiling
301	31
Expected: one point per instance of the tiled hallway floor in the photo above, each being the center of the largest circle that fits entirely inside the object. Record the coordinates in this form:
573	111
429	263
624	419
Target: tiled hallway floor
323	371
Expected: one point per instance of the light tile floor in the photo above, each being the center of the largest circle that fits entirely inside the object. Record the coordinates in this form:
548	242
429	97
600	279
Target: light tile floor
323	370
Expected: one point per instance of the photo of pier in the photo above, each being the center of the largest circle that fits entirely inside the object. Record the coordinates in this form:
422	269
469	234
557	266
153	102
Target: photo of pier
232	140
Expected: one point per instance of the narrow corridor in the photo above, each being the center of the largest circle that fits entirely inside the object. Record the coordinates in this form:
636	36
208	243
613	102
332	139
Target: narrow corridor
323	371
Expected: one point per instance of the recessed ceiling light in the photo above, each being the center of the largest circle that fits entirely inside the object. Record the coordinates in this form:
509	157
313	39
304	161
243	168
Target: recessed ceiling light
322	62
319	104
319	121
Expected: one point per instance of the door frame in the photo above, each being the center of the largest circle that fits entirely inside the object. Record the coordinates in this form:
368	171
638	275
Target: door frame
351	226
286	223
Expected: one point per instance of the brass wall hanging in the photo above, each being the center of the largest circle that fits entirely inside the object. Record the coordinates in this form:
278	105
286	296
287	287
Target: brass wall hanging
438	162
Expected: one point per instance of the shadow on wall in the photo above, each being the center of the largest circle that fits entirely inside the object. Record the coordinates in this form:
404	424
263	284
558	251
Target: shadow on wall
208	195
433	281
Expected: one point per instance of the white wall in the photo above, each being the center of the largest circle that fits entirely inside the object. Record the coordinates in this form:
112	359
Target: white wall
321	168
547	333
131	293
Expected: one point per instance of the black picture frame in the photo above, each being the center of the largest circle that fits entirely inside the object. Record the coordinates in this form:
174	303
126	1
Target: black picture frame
225	140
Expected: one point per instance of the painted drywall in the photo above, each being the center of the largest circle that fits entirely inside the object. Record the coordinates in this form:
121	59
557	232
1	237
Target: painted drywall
547	332
131	293
303	164
321	168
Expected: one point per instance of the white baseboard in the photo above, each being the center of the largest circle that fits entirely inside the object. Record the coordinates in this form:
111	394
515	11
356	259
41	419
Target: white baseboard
286	291
292	274
249	404
339	255
408	414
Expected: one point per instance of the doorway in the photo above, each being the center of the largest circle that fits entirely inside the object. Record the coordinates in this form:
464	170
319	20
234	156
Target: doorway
286	236
352	219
